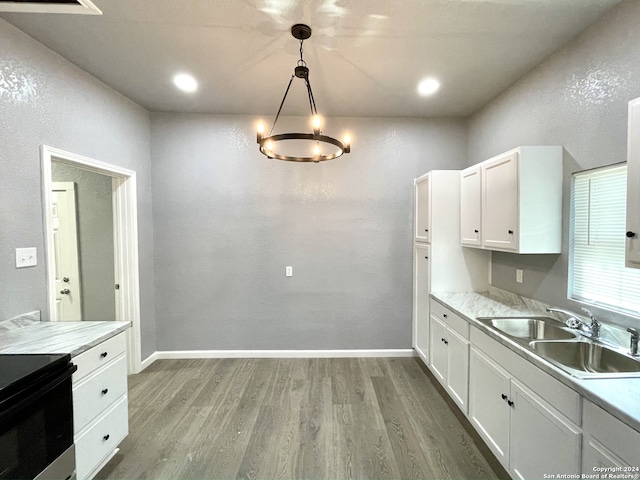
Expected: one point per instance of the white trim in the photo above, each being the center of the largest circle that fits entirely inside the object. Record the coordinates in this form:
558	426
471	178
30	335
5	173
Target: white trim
148	361
125	248
190	354
86	7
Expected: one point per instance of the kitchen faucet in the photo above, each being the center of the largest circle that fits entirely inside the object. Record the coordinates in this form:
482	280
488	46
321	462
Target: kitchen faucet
575	322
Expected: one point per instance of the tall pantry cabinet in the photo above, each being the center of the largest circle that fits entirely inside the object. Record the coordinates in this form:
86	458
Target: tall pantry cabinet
632	253
440	264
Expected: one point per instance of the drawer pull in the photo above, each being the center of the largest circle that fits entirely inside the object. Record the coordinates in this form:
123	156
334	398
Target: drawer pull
444	315
104	354
504	397
510	403
446	342
106	437
105	391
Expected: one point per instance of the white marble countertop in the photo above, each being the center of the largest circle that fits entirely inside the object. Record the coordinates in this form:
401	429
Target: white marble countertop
618	396
59	337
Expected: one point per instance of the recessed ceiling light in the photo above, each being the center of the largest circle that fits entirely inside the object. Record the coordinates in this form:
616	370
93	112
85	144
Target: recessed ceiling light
428	86
185	82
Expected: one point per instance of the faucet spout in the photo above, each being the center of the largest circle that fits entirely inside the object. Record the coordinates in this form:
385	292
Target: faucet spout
574	321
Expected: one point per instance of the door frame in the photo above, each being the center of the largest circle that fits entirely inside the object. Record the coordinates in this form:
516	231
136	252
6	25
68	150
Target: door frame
125	233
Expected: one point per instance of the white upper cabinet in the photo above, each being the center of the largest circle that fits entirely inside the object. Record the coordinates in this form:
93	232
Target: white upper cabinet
471	206
500	202
423	208
520	198
632	256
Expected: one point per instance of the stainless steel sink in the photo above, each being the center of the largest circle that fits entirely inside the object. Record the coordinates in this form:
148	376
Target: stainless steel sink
527	329
586	359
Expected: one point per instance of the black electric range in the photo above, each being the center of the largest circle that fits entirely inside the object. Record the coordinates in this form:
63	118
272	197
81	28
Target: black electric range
36	417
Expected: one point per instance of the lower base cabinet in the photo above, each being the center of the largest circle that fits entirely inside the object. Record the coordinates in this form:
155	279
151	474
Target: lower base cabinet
610	446
100	409
449	349
528	436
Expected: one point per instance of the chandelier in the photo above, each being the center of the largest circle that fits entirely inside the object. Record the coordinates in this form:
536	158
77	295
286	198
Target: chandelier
320	147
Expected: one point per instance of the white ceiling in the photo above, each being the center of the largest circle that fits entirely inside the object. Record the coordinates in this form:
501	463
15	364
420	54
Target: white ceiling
365	57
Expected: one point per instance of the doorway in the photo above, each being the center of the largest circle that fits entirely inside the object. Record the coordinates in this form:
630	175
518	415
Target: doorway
109	227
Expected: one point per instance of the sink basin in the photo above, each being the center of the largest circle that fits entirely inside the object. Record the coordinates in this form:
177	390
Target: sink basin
584	359
527	329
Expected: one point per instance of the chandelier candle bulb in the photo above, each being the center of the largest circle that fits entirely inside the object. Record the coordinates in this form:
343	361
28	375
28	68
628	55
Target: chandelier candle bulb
260	132
316	126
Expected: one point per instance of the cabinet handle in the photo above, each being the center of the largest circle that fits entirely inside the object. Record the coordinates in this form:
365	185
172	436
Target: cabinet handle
426	258
442	340
103	354
476	231
445	342
426	229
504	397
106	437
510	403
510	232
105	391
444	315
631	234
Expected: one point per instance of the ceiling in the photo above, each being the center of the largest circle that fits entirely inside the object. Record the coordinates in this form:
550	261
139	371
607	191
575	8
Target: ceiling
365	57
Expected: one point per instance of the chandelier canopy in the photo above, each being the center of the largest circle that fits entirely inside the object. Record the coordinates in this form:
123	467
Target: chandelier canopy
320	147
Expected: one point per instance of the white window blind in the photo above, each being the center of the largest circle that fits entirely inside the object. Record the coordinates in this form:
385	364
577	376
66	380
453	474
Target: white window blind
598	225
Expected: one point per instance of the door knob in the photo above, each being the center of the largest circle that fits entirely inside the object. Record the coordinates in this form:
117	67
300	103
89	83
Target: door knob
65	279
66	291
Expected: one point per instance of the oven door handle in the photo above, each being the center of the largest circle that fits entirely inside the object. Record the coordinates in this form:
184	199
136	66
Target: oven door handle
26	397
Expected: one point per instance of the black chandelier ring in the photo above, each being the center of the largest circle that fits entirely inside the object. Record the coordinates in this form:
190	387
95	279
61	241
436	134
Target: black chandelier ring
342	148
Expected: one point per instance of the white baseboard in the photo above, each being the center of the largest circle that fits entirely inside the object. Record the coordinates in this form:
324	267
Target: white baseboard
148	361
189	354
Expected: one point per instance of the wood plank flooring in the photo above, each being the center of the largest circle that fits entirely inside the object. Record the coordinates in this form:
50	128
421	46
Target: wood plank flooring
339	418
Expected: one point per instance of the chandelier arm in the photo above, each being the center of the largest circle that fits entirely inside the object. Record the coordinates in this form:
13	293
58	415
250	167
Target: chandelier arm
312	101
281	104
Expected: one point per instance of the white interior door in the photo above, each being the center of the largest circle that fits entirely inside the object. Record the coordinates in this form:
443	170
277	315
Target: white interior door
65	244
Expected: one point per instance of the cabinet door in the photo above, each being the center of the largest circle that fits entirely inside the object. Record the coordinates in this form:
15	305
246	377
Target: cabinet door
633	186
421	300
438	335
595	455
500	202
470	206
458	368
488	410
542	441
423	209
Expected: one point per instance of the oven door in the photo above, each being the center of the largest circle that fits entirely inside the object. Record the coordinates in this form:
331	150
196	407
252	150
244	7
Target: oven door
36	427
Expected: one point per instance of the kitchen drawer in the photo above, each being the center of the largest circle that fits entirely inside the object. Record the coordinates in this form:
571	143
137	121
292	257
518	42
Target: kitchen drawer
564	399
611	432
99	355
452	320
98	442
96	392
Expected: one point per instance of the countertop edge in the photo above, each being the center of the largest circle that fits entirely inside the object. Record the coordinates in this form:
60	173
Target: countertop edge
73	338
584	387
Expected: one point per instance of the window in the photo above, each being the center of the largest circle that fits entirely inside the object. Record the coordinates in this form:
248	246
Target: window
597	274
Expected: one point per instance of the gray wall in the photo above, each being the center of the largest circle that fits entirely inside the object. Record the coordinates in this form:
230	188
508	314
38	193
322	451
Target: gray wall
95	239
46	100
577	99
227	221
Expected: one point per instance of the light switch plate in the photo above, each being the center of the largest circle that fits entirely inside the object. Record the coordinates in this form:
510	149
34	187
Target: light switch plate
26	257
519	275
288	271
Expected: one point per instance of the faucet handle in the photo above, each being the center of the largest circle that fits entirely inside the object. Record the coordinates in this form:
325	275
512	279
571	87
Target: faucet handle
633	332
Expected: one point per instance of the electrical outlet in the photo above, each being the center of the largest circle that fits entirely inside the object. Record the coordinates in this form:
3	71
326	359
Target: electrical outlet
519	275
288	271
26	257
